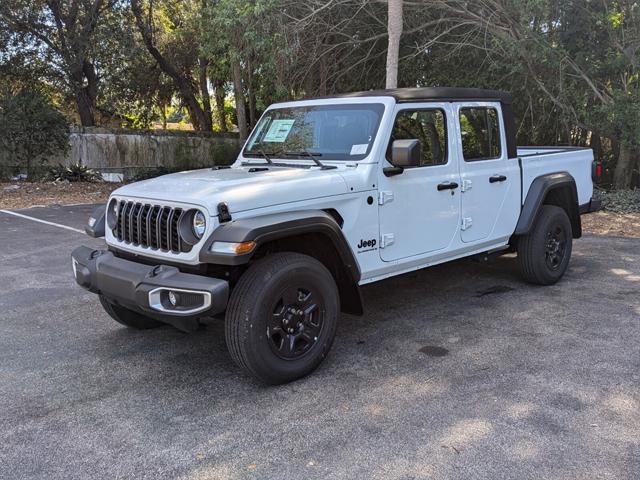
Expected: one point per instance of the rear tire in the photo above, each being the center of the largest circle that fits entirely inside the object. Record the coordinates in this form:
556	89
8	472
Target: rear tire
282	317
127	317
545	252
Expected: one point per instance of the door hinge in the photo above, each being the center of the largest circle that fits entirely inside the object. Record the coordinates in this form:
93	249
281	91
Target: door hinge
386	240
385	197
466	223
466	185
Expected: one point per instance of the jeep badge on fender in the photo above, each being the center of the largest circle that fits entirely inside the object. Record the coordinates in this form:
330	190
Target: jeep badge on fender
367	243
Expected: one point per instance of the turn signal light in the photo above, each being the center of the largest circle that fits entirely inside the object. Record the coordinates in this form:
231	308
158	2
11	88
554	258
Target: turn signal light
230	248
244	247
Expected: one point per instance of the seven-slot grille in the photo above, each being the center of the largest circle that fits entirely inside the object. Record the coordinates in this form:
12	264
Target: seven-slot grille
151	226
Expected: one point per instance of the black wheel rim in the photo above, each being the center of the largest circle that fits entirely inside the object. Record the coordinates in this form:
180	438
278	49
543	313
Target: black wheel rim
296	323
555	246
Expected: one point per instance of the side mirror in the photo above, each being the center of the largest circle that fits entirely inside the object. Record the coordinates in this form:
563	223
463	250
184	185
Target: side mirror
404	154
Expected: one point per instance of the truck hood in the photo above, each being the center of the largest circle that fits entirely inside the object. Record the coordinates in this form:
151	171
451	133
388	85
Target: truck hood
241	188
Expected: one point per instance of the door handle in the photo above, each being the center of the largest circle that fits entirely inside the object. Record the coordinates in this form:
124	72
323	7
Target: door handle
447	186
497	178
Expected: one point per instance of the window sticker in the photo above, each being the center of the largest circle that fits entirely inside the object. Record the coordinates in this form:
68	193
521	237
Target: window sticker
359	149
278	131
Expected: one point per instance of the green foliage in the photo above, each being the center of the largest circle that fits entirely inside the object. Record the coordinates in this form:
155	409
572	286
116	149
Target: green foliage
148	173
621	201
31	130
73	173
572	66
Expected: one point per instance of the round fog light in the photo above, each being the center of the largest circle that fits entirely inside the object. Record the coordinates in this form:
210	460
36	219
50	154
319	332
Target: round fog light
173	298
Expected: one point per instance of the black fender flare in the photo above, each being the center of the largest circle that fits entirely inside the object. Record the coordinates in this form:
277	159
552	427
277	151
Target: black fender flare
266	228
270	227
537	194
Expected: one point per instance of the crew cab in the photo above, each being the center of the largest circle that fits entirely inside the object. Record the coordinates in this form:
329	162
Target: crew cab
328	195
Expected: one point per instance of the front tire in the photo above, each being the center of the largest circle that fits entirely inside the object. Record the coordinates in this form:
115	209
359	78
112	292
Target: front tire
545	252
282	317
127	317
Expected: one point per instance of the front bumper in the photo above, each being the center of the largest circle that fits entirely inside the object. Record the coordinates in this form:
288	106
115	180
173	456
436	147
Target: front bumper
162	292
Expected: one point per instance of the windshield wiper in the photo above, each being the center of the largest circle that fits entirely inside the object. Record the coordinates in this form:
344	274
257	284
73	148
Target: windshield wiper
263	153
312	156
266	157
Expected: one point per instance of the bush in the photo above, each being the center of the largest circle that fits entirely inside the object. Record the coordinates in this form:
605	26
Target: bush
73	173
31	130
146	174
620	201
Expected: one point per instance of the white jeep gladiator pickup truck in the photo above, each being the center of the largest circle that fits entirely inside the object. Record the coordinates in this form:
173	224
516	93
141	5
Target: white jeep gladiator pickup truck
328	195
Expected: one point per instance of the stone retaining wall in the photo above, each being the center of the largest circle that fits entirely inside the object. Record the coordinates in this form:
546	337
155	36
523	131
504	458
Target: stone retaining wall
120	150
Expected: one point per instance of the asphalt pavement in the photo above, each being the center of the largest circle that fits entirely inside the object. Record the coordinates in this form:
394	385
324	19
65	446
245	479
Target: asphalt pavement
461	371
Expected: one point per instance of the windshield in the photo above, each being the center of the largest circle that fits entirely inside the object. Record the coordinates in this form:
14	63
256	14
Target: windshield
330	132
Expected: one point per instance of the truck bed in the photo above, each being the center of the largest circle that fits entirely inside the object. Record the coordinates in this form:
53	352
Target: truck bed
577	161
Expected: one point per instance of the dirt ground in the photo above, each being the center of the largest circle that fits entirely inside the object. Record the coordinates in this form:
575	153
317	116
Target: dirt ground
30	194
25	195
612	224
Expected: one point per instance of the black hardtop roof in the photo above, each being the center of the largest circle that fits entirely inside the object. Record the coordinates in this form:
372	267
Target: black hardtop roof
443	94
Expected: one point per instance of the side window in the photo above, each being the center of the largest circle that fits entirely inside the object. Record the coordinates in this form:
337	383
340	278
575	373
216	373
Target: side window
480	133
429	127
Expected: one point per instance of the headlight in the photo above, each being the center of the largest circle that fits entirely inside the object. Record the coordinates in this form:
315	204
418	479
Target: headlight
112	213
199	224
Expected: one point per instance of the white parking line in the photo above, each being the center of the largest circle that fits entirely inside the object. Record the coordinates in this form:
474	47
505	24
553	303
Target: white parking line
15	214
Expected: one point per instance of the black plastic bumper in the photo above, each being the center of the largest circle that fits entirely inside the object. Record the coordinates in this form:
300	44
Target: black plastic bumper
145	288
594	205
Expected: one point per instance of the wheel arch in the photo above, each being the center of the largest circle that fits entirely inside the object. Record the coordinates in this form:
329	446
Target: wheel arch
551	189
316	233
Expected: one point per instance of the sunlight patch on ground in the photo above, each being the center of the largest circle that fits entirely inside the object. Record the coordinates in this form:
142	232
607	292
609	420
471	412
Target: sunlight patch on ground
467	431
520	410
623	404
620	271
525	450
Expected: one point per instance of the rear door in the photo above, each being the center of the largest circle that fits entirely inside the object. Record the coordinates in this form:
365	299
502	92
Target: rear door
490	181
419	209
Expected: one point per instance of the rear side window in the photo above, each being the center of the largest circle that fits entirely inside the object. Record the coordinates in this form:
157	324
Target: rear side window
429	127
480	133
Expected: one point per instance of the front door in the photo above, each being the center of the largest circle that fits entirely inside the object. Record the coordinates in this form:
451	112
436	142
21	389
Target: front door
489	179
419	209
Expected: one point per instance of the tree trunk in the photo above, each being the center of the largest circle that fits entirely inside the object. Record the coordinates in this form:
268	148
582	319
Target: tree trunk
252	97
624	167
394	28
596	145
163	114
84	106
204	93
252	109
219	97
85	84
193	107
182	83
241	113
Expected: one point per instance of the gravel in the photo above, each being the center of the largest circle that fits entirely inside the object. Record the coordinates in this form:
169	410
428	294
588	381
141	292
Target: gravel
460	371
29	194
